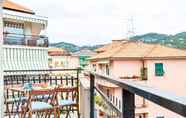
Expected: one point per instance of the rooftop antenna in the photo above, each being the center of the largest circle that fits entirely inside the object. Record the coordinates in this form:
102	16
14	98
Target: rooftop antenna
130	27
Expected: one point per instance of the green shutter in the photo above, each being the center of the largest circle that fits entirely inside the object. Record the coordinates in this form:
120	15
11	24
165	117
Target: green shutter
160	117
159	69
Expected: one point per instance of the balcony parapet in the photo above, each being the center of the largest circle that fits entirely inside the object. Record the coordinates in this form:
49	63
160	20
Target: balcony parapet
25	40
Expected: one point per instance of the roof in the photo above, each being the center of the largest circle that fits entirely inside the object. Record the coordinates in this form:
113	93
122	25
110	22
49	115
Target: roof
84	52
110	46
140	50
58	52
7	4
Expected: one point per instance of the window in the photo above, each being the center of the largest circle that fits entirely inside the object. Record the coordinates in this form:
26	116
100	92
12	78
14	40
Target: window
107	70
94	67
13	33
159	69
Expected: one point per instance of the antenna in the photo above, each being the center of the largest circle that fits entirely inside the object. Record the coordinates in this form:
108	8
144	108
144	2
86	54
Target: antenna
130	28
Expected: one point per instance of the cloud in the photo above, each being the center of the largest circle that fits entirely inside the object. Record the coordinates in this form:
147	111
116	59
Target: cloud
99	21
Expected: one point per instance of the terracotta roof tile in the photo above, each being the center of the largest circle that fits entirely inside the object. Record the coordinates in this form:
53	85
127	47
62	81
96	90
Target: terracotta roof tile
7	4
58	52
110	46
140	50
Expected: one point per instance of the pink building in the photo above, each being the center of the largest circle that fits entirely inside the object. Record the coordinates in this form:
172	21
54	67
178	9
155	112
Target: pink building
151	64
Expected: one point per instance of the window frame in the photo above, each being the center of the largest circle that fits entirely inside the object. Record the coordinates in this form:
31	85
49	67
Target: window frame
159	71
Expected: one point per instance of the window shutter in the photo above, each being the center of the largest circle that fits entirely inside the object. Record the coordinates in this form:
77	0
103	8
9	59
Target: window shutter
159	69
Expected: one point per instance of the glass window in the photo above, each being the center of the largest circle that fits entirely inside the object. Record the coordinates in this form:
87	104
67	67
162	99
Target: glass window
13	33
94	67
159	69
107	70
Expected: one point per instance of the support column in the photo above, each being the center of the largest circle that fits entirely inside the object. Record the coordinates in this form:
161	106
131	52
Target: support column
92	83
128	110
1	63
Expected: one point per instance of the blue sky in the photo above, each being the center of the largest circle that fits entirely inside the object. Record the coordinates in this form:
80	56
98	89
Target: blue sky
89	22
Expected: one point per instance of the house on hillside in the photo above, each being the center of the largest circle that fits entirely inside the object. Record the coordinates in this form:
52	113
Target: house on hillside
59	58
150	64
84	55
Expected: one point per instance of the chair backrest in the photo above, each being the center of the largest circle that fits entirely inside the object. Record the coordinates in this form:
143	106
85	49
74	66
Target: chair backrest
42	92
67	93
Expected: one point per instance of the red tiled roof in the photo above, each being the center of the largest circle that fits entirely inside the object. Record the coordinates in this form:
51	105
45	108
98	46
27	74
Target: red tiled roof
139	50
58	52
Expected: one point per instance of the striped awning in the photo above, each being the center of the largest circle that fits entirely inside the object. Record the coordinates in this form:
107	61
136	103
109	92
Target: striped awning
24	17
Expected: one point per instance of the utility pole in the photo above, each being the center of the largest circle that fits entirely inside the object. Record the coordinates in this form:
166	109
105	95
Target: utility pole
1	62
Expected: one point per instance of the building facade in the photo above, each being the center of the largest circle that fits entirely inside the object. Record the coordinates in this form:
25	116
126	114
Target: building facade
59	58
148	64
84	55
24	38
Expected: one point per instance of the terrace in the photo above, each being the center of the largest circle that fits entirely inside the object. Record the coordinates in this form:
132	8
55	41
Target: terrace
87	94
25	40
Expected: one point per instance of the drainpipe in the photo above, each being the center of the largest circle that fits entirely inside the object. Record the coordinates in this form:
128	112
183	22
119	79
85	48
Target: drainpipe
1	63
143	66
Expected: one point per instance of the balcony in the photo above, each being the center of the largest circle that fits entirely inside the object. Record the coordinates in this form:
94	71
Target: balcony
25	40
175	106
92	99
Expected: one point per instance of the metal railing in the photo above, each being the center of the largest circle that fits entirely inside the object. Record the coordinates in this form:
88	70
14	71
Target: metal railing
13	78
26	40
171	102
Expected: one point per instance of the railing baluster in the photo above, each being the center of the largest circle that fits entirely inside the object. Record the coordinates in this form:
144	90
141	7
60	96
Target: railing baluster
128	110
92	82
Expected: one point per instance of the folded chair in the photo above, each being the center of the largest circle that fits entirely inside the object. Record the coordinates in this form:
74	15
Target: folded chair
37	107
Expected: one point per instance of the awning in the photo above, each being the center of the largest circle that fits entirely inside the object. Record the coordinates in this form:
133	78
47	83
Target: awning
24	17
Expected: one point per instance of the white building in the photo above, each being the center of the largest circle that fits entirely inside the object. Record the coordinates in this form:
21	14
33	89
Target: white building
24	41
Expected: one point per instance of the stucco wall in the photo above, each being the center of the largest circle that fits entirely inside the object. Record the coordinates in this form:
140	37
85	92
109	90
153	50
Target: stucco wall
36	28
174	81
126	68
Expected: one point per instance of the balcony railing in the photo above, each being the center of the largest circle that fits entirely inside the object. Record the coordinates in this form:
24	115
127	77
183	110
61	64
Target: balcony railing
54	77
26	40
176	104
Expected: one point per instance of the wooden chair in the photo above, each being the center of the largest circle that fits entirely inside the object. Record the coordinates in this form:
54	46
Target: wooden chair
13	100
67	100
39	106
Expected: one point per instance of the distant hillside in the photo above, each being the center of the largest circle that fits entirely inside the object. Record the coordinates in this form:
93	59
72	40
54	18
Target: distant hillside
68	46
72	47
177	41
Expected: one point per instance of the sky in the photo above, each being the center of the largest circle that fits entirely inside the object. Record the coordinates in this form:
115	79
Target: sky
90	22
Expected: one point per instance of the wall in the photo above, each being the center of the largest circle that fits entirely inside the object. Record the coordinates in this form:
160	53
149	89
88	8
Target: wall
173	81
74	62
36	28
64	62
28	28
175	71
126	68
58	62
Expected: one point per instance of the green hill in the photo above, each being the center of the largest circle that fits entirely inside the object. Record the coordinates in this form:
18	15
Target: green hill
72	47
177	41
68	46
